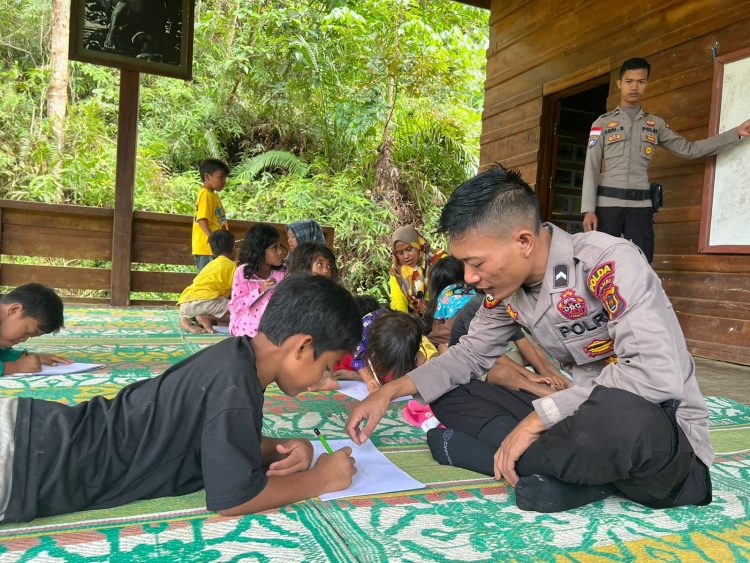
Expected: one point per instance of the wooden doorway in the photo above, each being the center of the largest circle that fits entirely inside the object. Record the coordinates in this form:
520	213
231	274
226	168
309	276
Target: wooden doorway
566	121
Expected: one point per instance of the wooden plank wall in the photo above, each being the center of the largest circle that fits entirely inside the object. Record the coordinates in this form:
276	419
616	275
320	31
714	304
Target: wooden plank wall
85	233
542	46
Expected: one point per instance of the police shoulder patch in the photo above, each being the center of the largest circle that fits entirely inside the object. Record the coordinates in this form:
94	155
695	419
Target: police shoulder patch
601	283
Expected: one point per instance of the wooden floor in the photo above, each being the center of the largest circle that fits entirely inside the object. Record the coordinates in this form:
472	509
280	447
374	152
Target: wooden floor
723	379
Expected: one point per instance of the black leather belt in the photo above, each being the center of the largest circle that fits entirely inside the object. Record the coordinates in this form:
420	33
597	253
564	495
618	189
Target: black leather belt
623	193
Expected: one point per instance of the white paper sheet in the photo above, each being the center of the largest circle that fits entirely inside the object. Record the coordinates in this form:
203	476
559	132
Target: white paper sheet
375	474
358	390
64	369
221	329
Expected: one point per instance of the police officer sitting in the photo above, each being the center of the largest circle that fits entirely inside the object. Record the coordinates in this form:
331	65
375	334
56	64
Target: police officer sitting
634	421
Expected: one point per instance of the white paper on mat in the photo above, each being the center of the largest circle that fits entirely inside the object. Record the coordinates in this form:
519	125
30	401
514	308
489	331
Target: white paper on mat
375	474
358	390
64	369
221	329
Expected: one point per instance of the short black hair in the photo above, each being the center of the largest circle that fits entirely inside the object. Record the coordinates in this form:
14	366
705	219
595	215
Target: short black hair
304	256
257	239
306	304
40	303
367	304
211	165
634	64
221	242
392	345
496	197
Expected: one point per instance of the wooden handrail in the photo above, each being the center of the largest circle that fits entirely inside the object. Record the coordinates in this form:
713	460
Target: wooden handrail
75	232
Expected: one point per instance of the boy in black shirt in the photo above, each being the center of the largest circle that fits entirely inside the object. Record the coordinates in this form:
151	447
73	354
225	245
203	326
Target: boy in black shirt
198	425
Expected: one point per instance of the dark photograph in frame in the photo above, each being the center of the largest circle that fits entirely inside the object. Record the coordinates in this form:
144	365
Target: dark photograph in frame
150	36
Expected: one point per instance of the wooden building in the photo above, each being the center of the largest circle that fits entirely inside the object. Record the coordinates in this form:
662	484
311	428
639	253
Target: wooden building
552	69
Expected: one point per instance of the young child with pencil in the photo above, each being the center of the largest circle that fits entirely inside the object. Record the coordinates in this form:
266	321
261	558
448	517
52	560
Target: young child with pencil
261	268
198	425
27	311
392	345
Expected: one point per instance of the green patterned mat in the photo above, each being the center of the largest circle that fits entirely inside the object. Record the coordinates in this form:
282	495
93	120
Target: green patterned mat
460	516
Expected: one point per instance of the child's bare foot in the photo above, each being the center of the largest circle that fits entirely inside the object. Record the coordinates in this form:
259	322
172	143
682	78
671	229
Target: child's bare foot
326	383
207	323
187	325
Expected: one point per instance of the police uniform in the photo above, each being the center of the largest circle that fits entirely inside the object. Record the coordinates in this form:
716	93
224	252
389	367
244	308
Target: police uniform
602	313
623	148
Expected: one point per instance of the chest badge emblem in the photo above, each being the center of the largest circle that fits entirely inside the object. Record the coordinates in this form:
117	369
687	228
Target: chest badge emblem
512	312
571	305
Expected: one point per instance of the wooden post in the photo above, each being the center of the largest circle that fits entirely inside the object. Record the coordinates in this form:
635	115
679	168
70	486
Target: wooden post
122	228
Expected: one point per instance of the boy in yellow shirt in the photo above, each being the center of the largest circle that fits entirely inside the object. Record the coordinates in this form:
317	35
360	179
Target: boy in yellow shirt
205	302
209	212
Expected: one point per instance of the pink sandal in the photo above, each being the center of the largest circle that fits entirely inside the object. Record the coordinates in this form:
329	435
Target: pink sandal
421	416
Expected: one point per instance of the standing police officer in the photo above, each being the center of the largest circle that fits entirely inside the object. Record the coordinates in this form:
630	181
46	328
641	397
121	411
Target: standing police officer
618	199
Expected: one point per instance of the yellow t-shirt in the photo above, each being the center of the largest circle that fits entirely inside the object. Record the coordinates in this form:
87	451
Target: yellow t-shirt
214	280
208	206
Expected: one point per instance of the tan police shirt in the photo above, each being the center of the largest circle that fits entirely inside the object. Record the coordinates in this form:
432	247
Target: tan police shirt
620	150
600	301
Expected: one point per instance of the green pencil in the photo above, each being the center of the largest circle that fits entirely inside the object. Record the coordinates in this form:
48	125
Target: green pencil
323	441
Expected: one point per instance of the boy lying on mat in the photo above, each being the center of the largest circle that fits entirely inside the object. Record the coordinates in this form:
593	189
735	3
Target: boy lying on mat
197	425
27	311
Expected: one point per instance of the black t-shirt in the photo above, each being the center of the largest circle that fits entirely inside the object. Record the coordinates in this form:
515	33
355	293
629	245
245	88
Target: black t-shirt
196	425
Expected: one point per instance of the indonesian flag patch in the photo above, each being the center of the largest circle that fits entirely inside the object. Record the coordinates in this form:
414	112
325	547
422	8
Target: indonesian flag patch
594	135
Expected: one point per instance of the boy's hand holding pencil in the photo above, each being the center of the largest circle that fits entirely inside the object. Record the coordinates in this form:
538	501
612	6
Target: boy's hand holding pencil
336	468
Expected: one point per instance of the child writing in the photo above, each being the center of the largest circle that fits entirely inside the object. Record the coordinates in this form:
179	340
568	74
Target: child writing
392	345
316	258
182	431
209	212
261	268
205	302
27	311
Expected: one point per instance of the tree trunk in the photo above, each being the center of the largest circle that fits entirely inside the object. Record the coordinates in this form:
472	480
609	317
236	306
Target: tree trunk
57	94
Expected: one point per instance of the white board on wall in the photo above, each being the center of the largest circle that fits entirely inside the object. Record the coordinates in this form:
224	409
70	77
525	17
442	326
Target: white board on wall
730	209
725	213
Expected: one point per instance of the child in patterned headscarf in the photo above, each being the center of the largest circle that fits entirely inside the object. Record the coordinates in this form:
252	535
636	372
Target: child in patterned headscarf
303	231
412	259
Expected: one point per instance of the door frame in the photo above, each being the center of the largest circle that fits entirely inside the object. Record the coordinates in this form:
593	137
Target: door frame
548	137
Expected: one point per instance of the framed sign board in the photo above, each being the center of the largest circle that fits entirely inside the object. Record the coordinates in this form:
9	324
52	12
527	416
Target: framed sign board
151	36
725	213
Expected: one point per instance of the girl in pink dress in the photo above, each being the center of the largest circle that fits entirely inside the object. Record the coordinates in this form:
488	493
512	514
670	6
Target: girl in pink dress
261	268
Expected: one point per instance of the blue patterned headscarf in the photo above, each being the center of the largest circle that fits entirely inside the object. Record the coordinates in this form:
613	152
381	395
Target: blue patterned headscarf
306	231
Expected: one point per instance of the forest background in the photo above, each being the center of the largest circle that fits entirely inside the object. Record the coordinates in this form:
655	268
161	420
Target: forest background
363	115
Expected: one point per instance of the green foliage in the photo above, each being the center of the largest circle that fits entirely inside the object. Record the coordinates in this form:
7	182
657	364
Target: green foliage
294	95
249	169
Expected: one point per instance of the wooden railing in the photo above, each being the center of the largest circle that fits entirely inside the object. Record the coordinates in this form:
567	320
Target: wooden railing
86	233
